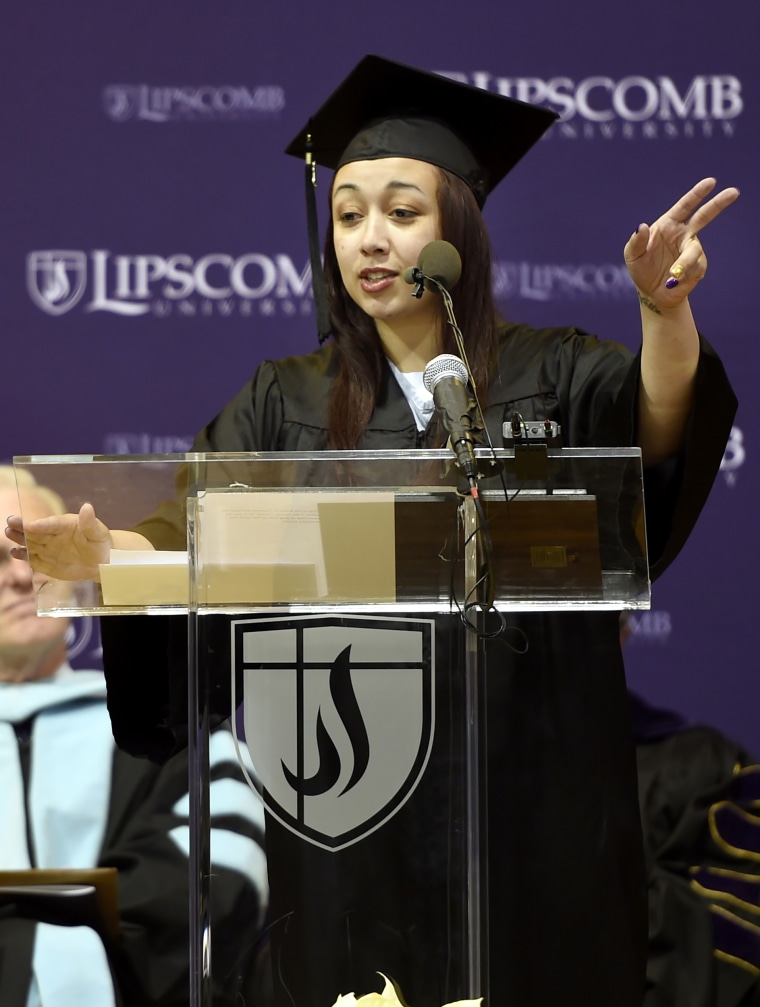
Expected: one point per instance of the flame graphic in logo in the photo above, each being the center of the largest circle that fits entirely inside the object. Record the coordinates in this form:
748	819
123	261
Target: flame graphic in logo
56	279
55	284
328	773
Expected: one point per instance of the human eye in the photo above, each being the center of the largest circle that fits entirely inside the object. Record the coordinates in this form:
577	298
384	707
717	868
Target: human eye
347	217
403	213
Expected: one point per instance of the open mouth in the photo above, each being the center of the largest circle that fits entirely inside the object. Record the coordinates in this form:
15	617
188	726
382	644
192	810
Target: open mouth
376	279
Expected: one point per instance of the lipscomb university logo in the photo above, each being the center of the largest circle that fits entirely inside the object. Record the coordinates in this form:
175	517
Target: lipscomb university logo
339	718
120	101
81	637
215	284
166	103
56	280
630	107
734	456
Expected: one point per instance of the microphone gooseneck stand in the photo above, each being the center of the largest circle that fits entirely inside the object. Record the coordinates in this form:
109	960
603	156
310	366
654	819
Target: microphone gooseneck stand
448	377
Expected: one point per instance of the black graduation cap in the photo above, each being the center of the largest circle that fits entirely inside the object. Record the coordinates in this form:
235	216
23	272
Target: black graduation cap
388	109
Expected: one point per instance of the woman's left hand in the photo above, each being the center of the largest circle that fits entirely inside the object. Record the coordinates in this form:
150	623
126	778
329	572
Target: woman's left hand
666	259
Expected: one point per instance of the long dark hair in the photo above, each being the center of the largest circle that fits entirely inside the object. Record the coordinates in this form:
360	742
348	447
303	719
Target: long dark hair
360	352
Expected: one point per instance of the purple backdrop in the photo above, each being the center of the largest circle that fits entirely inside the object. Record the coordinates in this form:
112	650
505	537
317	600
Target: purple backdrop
154	241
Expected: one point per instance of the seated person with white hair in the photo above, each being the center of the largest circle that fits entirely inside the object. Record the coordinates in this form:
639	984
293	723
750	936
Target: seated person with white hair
71	799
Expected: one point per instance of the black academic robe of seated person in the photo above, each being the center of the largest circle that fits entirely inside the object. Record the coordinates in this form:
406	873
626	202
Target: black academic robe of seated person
699	793
567	885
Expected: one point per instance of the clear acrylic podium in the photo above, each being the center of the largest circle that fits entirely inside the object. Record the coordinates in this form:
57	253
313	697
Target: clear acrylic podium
346	599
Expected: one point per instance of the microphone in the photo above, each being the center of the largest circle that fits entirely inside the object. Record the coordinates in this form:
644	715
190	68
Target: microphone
438	262
446	377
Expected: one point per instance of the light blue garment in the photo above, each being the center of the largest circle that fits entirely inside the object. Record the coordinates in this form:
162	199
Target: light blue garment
69	793
70	772
229	797
80	976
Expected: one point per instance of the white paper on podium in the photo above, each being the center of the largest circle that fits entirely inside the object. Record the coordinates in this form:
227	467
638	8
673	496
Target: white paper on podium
267	546
305	545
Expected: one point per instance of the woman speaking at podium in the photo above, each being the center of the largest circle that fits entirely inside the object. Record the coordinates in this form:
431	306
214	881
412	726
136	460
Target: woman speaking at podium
415	156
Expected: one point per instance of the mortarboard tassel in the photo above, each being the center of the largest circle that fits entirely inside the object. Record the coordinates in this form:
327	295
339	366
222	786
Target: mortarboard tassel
317	274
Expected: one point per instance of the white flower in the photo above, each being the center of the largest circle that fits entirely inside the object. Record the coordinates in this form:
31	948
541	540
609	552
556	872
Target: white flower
388	998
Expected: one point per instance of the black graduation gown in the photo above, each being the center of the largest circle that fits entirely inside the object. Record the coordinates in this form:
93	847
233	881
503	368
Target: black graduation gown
567	885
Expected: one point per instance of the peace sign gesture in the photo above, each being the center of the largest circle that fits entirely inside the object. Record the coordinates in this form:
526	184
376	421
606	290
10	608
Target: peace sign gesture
666	259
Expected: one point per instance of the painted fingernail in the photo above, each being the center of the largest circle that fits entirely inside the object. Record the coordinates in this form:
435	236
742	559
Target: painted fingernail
671	282
677	270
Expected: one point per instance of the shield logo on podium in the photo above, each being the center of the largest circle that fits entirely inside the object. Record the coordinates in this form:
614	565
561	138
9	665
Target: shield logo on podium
339	718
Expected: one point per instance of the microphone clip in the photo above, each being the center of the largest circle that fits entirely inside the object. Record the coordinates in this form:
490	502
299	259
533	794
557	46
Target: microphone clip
418	279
